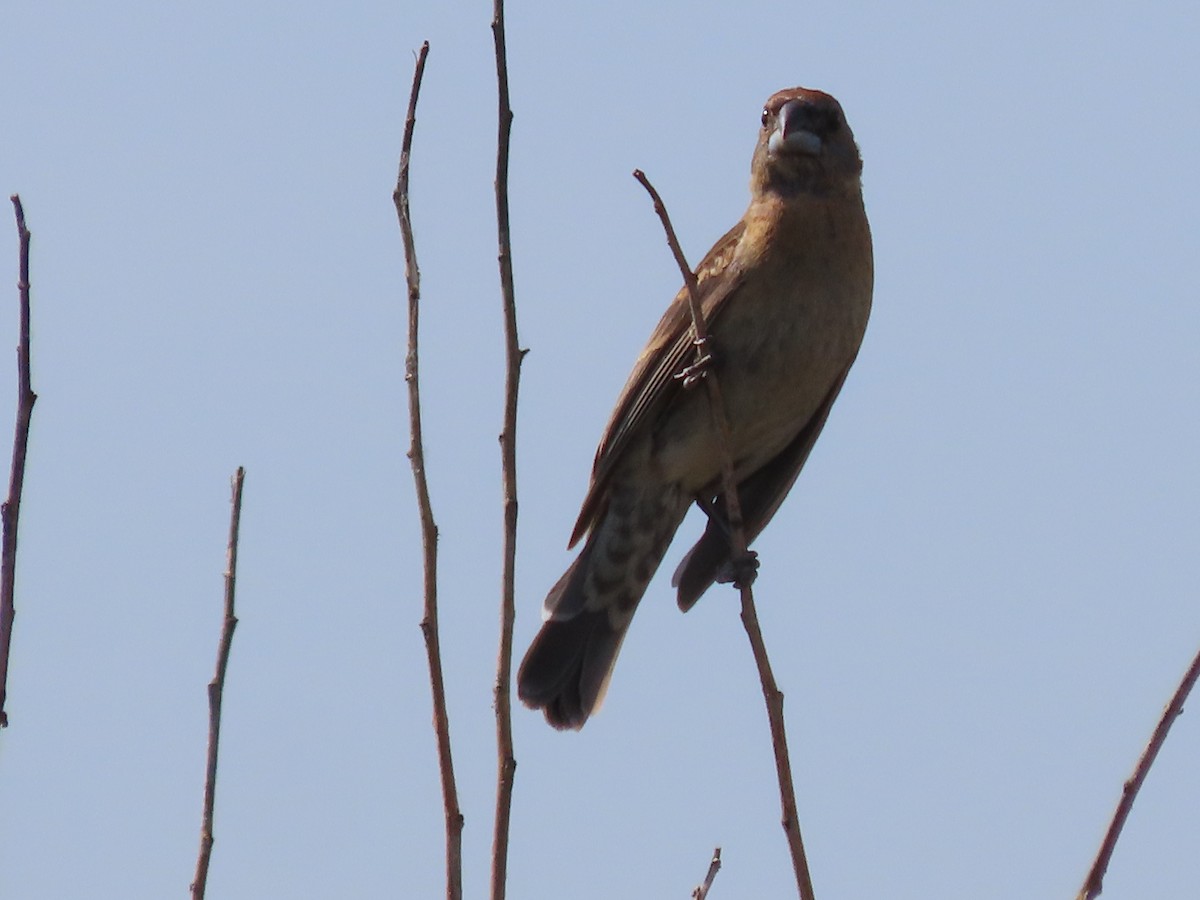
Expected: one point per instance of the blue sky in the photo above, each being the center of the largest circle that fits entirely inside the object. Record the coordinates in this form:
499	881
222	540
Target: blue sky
978	597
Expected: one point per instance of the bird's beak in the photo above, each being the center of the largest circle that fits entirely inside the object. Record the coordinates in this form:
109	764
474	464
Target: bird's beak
793	131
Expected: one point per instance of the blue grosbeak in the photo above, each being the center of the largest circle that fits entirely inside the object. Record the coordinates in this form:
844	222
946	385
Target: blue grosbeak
786	294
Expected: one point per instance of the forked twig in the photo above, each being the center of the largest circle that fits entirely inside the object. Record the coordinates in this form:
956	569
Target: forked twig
1094	882
771	692
429	531
506	762
216	691
11	510
701	891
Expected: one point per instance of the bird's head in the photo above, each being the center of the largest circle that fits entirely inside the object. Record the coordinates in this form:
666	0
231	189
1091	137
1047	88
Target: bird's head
805	146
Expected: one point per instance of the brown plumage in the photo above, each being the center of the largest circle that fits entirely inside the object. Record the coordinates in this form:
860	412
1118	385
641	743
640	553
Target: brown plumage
786	293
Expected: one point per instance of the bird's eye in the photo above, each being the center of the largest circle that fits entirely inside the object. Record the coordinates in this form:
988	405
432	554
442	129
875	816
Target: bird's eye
766	115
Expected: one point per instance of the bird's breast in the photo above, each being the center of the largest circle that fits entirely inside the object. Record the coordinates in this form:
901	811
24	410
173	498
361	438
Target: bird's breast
781	341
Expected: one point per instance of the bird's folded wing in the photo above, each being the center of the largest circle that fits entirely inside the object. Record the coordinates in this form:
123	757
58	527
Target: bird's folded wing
653	381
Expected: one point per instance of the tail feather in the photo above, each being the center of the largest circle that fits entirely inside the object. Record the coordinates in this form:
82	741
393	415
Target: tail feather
566	671
568	666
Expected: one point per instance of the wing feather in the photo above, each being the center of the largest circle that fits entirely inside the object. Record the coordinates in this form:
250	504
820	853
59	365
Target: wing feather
653	382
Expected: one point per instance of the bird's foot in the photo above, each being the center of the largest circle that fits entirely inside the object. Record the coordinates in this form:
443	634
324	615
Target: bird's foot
739	572
694	374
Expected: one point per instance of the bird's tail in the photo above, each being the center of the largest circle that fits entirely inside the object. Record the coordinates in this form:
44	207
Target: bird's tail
568	666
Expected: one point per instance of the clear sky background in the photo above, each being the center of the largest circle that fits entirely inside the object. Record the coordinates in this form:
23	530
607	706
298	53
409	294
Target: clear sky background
978	597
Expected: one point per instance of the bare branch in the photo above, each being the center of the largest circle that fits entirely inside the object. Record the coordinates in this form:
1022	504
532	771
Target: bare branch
11	510
771	692
429	531
783	766
216	690
506	763
701	891
1094	882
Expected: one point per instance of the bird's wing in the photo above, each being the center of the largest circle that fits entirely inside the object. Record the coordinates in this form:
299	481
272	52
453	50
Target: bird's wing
653	381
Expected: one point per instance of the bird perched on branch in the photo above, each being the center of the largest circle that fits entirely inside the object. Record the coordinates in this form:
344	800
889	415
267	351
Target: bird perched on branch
786	294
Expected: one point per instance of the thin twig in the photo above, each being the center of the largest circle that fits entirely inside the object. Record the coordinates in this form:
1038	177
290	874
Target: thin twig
783	765
216	690
10	512
429	531
701	891
1094	882
771	692
506	762
716	402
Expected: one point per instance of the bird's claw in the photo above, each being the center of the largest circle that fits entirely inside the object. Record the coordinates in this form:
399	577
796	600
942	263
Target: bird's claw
694	374
739	572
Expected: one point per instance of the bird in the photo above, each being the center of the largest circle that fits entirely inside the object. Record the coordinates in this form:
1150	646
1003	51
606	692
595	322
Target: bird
786	294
